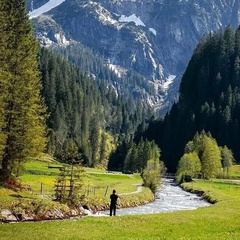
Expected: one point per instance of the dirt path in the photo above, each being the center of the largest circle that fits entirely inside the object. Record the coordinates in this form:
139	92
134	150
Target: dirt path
139	189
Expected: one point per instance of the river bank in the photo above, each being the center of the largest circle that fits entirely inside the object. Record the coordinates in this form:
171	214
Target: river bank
32	210
169	198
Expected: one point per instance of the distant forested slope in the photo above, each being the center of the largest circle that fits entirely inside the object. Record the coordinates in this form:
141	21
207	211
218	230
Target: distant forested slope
209	99
85	114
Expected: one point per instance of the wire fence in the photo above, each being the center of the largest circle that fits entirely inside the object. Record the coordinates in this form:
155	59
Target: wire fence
95	190
87	190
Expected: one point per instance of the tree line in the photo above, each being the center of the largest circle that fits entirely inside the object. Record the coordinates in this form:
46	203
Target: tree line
203	158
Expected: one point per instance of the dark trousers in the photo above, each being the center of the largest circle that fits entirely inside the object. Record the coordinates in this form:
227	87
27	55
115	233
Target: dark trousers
112	210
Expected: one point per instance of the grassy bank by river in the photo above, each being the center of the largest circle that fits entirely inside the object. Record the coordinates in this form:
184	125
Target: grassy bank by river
220	221
40	177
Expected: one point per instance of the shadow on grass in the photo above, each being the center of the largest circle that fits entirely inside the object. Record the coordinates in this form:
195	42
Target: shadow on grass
16	196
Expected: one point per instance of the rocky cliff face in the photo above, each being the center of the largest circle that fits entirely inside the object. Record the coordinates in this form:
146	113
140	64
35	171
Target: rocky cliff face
153	37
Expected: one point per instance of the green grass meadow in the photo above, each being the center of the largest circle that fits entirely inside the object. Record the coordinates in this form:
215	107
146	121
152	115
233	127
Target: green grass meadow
40	177
219	221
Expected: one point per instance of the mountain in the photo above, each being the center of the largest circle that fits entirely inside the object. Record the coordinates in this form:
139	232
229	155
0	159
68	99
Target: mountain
154	38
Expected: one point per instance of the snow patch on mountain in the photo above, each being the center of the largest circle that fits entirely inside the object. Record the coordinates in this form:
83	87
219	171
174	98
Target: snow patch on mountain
132	18
45	8
168	82
164	85
119	71
150	53
153	31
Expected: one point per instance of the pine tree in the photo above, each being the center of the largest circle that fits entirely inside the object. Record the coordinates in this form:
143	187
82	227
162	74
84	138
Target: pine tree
131	158
94	141
22	113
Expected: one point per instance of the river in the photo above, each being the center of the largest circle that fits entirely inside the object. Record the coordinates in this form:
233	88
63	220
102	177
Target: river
169	198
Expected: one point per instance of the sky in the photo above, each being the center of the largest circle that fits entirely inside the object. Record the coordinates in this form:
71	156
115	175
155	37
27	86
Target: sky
45	8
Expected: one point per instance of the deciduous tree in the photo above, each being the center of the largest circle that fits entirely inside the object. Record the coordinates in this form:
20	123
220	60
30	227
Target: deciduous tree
227	159
189	164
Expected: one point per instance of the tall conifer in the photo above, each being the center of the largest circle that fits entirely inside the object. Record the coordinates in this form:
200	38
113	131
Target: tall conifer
22	113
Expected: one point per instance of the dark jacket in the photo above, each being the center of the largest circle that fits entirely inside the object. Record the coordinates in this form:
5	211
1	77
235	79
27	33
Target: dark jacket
113	198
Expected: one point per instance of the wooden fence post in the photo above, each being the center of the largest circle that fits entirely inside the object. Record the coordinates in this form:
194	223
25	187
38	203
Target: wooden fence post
106	191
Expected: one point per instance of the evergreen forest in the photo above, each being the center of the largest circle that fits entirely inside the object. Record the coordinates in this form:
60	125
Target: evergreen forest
84	112
209	99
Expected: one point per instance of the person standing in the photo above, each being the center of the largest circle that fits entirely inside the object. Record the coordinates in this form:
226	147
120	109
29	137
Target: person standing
113	203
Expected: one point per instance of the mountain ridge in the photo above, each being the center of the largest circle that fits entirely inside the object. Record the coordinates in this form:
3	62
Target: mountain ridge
154	38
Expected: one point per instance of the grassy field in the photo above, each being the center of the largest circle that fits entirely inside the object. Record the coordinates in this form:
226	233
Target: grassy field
235	171
220	221
98	185
41	178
